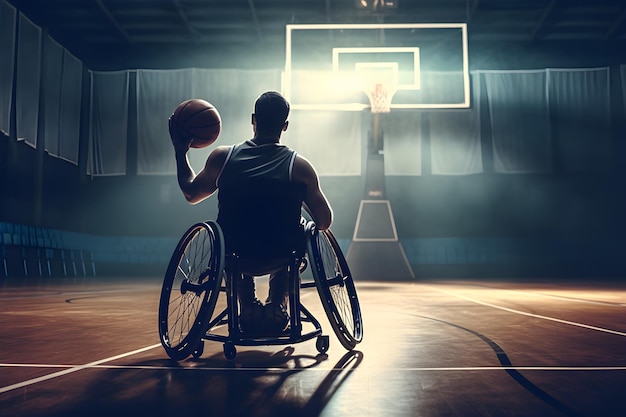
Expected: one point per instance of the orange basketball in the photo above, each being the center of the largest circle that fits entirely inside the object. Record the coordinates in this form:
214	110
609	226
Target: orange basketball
199	120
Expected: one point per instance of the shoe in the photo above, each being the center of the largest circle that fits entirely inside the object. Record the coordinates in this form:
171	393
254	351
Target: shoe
275	317
251	317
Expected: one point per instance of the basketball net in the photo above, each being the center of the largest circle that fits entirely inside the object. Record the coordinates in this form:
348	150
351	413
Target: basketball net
380	98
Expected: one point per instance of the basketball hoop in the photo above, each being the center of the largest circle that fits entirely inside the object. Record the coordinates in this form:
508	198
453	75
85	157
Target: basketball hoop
380	98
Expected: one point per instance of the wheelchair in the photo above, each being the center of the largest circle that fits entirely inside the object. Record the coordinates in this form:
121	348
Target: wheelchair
199	299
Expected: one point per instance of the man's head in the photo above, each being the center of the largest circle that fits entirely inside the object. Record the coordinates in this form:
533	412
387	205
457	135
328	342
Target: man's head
270	114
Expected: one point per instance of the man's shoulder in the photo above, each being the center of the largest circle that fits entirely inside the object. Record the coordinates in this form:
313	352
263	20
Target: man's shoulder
221	150
303	170
218	156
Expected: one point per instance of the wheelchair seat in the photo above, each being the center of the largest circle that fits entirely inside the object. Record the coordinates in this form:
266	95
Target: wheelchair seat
261	219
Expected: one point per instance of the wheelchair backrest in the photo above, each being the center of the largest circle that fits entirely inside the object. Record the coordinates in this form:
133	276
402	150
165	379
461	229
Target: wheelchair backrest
260	218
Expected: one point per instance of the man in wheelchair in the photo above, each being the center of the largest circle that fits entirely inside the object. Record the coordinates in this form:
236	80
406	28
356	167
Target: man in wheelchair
262	186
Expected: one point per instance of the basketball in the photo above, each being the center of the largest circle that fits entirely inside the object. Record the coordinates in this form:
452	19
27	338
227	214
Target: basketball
199	120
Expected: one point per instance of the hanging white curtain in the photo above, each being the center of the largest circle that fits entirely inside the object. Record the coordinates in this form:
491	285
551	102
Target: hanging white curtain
7	46
520	121
158	94
402	131
330	140
69	111
52	97
109	123
28	80
455	147
455	142
580	102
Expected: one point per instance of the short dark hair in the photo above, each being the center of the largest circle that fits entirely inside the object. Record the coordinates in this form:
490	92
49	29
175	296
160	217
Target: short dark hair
271	111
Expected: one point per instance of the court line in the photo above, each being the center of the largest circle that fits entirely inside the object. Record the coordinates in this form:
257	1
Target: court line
556	297
256	369
524	313
73	369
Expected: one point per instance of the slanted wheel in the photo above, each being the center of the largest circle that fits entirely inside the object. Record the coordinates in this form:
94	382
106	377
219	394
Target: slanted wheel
322	344
335	286
230	351
190	289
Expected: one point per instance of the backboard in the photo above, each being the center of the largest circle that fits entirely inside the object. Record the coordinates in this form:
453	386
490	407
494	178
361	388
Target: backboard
337	66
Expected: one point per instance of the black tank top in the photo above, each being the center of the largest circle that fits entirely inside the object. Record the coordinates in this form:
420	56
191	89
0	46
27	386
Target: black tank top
248	160
259	206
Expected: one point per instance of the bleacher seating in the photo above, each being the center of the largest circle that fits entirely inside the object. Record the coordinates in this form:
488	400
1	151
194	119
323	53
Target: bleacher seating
31	251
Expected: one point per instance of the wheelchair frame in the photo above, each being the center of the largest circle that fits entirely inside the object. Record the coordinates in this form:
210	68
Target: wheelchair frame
199	271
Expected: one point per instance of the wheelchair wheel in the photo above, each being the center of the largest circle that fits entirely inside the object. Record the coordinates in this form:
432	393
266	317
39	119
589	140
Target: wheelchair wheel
335	286
190	289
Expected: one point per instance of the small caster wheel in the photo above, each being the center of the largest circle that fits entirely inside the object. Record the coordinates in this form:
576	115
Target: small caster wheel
322	343
198	351
230	352
303	264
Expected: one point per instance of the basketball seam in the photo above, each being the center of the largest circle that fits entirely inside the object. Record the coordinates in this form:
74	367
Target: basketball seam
191	116
182	111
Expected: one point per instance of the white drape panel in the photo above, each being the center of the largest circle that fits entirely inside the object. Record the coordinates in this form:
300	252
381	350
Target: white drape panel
330	140
158	94
7	61
520	122
109	123
455	142
580	102
69	111
232	91
402	131
28	80
455	147
52	97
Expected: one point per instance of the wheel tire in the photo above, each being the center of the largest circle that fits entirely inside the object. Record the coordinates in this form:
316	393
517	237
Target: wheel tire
230	351
190	289
322	344
335	286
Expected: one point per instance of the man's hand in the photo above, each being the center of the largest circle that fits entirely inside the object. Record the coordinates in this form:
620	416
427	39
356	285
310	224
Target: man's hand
179	141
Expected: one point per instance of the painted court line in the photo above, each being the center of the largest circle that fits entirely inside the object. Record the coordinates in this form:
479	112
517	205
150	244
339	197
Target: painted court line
73	369
524	313
557	297
324	369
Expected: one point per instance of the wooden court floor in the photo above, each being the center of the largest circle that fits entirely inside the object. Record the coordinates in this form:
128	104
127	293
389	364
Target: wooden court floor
431	348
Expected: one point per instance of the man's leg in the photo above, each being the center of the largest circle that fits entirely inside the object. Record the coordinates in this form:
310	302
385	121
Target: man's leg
279	287
276	317
250	307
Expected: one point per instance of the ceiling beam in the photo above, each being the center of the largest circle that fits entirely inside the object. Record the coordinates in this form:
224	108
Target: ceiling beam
471	8
114	21
255	19
542	19
616	24
185	20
